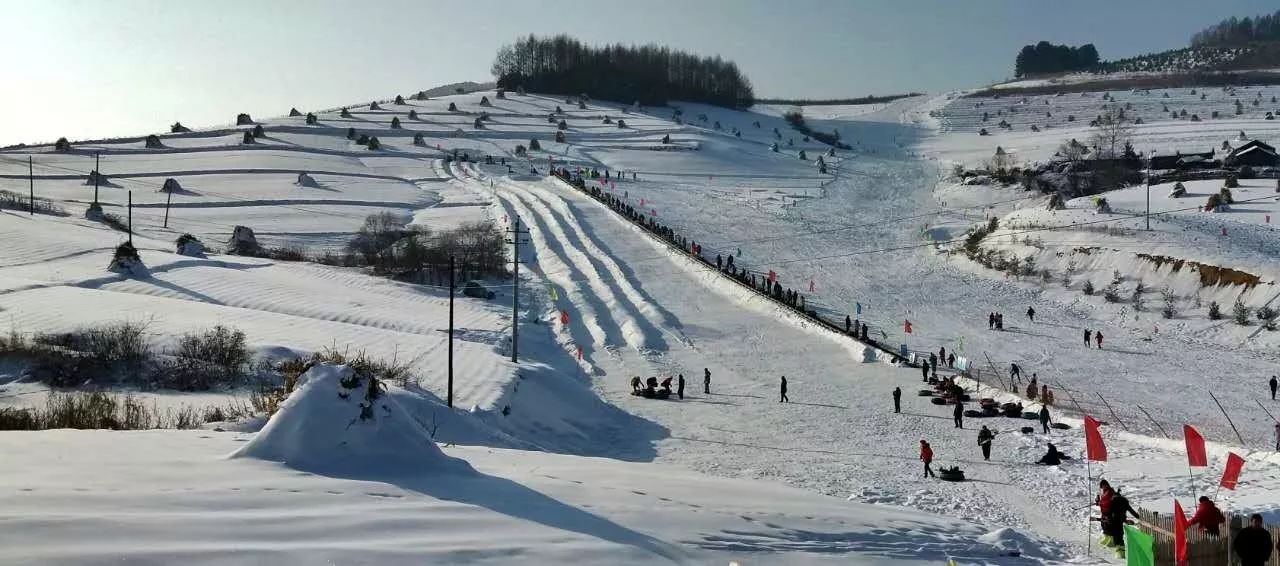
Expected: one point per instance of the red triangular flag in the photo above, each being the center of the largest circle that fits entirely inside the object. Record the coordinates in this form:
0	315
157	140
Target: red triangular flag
773	276
906	326
1196	456
1179	534
564	317
1232	473
1095	449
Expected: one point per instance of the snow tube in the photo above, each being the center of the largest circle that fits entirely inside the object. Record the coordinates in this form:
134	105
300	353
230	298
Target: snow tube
938	401
1031	415
951	474
1028	430
974	413
987	402
925	393
990	412
1060	426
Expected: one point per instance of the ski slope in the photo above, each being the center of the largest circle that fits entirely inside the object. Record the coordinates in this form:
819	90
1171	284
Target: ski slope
709	485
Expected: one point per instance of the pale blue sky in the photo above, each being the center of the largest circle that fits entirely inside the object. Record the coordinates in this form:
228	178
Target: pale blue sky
85	68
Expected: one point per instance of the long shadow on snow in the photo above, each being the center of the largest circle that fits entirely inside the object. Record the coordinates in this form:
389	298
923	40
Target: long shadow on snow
501	495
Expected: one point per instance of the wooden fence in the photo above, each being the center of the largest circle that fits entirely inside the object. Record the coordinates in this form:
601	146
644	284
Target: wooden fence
1202	550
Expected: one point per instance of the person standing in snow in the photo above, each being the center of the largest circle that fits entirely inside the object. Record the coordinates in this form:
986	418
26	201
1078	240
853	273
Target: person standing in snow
1278	437
847	323
1105	494
864	332
1274	385
926	456
985	436
1031	314
1044	418
897	399
1015	372
958	413
706	381
782	390
719	264
924	370
1253	543
1097	337
951	360
933	359
680	387
1087	335
942	354
991	321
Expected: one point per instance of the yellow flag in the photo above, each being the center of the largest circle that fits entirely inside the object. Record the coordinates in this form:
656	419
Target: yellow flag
554	295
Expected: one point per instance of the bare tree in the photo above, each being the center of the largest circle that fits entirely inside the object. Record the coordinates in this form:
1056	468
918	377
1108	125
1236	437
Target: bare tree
1111	134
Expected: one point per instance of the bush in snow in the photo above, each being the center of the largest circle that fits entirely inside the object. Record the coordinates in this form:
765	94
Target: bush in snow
1215	311
484	101
258	132
582	105
501	94
1170	309
62	145
311	119
1213	202
126	261
413	114
1267	316
178	128
374	106
1136	298
171	186
153	142
247	138
422	95
1056	202
534	145
560	136
666	139
562	125
243	242
606	120
559	110
803	156
1240	312
1088	287
418	139
520	149
453	107
1111	293
363	139
395	123
344	113
1178	190
293	113
243	119
1225	193
374	144
478	124
189	245
520	90
305	180
399	100
622	124
351	133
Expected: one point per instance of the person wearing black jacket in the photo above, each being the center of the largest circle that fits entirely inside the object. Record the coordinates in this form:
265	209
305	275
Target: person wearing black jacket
1044	418
782	390
958	414
1274	385
706	380
680	387
1253	543
985	436
1117	514
897	399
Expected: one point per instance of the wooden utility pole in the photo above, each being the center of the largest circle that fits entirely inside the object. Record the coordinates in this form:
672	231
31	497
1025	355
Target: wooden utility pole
167	201
97	174
515	242
451	284
31	176
131	218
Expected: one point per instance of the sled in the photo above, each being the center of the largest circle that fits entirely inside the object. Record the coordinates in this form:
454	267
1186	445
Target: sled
1031	415
938	401
974	413
1060	426
951	474
652	394
925	393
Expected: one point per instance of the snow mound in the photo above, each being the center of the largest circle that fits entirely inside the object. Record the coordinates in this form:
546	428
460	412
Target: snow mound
1010	542
336	422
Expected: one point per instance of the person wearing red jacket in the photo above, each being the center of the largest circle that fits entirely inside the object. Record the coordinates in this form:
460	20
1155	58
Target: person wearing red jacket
926	456
1208	517
1105	494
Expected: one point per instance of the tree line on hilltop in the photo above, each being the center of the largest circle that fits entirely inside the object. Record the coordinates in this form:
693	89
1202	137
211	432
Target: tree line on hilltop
648	74
1235	32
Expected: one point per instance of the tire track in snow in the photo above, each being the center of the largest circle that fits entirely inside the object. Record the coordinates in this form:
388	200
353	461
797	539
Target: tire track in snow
641	332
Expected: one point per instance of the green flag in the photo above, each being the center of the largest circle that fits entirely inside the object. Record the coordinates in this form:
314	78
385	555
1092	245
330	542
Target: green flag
554	296
1138	547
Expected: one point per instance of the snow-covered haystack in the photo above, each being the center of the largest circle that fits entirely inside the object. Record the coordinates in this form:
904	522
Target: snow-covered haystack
153	142
178	128
96	178
395	123
243	119
413	114
338	421
171	185
311	119
399	100
293	113
243	242
305	180
419	140
189	245
126	261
